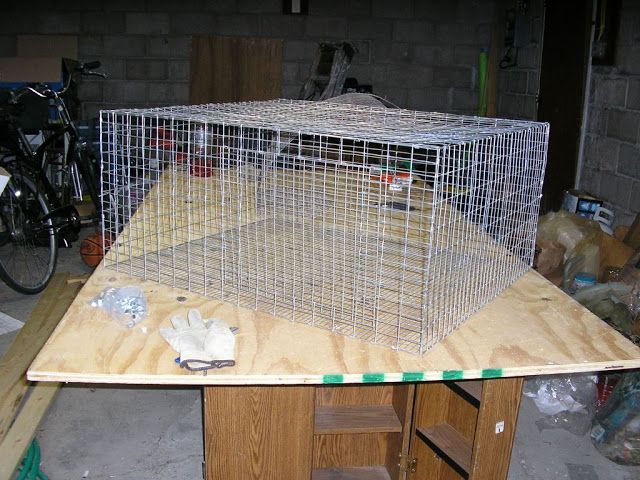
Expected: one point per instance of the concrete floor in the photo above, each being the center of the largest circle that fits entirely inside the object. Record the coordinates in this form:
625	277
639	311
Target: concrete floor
111	432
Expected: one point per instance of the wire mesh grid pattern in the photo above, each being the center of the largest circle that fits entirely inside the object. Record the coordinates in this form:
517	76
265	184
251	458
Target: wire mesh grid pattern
389	225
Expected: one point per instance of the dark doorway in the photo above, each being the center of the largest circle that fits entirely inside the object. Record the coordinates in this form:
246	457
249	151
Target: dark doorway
563	72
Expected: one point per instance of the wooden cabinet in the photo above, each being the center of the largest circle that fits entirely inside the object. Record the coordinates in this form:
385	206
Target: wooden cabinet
434	430
465	429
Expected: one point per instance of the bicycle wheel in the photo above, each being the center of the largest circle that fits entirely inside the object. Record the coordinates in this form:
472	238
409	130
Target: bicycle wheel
28	242
89	168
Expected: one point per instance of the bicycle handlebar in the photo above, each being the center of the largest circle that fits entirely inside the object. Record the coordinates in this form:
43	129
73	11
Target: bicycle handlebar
45	91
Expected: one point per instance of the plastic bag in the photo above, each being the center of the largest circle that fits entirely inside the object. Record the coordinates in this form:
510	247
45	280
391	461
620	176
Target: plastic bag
126	305
579	236
616	428
566	401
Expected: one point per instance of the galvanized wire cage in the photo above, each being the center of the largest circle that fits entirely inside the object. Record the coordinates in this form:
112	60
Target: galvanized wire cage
389	225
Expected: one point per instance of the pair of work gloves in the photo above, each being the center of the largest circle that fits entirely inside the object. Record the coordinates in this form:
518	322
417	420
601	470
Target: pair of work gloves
202	344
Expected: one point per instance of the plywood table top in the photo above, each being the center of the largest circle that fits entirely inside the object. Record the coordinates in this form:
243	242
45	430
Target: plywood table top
531	328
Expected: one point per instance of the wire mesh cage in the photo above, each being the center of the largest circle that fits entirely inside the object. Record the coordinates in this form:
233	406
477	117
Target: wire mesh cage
389	225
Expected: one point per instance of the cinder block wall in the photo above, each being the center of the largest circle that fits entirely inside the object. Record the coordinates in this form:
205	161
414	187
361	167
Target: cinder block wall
420	54
611	161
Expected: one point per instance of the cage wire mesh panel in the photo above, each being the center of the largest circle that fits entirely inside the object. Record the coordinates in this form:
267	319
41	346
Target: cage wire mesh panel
389	225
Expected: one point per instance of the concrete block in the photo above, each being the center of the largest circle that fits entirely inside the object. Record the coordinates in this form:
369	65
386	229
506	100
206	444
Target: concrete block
452	77
147	23
15	22
517	81
58	23
95	23
221	6
90	91
529	57
464	100
357	8
602	153
395	9
291	73
326	27
597	120
430	99
623	125
609	90
124	45
533	83
615	189
259	6
409	76
455	34
113	91
179	70
483	34
126	5
282	26
162	93
394	52
436	10
434	55
134	92
370	29
511	105
290	91
363	52
413	31
466	55
634	203
181	6
192	23
113	67
328	8
629	60
470	11
90	46
168	46
299	50
590	180
89	110
248	25
633	94
144	69
629	161
7	46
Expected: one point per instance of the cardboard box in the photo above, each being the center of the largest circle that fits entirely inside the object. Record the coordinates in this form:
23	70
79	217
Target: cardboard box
47	46
581	203
18	70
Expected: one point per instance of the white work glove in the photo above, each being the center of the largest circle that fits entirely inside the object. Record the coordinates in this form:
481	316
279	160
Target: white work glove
201	345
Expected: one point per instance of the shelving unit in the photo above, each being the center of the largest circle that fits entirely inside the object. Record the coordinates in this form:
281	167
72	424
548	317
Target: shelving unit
465	429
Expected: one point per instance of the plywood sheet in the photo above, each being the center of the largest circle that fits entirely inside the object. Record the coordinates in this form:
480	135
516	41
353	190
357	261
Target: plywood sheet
232	69
531	328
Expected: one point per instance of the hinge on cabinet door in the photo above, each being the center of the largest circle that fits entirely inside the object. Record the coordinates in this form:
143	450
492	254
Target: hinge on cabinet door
407	464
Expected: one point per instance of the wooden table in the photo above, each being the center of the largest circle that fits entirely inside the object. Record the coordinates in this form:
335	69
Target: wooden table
304	403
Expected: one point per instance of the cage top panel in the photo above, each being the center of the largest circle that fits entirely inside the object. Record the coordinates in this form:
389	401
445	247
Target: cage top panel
358	122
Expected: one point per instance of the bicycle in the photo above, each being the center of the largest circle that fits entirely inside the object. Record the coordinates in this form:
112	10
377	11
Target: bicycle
36	210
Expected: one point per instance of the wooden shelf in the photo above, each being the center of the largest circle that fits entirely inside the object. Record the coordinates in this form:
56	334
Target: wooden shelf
447	443
342	419
352	473
470	390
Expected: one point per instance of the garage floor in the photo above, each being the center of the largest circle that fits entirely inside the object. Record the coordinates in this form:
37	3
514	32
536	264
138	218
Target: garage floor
147	433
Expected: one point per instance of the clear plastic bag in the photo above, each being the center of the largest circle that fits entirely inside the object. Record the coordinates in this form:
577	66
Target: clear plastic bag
126	305
565	401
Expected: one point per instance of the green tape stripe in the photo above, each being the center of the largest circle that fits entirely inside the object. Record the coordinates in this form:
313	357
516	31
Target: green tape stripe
373	377
492	373
412	376
452	375
333	379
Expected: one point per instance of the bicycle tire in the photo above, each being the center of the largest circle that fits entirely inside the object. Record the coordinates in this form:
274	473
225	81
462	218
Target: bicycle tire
28	242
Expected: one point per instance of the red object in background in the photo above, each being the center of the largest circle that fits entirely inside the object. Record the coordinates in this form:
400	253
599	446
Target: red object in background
200	167
163	138
606	384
